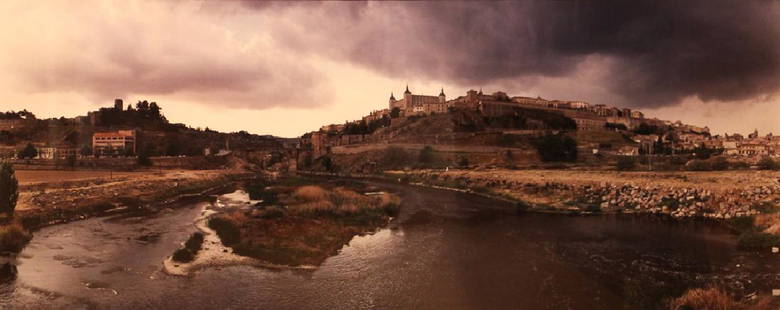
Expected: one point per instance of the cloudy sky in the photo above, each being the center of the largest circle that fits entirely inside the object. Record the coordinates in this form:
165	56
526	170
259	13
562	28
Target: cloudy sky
287	68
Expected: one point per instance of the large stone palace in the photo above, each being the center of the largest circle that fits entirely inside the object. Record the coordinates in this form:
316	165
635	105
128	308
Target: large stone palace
419	104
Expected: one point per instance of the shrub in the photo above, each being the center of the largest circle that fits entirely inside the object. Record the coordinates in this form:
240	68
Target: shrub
9	189
593	208
720	163
272	213
28	152
309	193
739	165
704	299
143	159
463	161
741	224
13	238
183	255
557	147
392	209
698	165
755	240
194	242
257	191
522	206
767	163
395	157
625	163
426	155
227	229
327	163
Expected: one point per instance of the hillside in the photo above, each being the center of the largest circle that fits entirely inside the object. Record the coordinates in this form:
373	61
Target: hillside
456	138
156	136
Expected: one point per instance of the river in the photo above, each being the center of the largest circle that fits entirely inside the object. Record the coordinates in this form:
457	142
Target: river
445	250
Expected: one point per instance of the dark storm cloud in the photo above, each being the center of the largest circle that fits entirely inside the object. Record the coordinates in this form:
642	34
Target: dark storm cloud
659	51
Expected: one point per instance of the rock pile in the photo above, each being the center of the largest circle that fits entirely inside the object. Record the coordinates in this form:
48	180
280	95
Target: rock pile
675	201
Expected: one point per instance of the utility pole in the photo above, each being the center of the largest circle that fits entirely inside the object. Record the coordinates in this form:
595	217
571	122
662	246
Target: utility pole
650	156
650	160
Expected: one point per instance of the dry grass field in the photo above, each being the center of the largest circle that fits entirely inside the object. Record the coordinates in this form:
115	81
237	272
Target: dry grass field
38	176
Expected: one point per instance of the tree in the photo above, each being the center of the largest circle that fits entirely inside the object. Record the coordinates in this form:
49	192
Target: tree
698	165
327	163
85	150
625	163
557	147
154	111
70	161
72	138
509	157
395	157
463	161
142	107
9	189
426	155
172	148
395	112
28	152
766	163
143	158
720	163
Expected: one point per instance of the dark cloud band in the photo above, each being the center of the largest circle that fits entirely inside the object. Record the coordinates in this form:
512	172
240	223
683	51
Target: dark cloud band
661	51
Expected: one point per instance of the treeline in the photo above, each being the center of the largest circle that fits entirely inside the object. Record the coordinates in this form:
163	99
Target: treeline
556	148
365	128
143	114
23	114
523	119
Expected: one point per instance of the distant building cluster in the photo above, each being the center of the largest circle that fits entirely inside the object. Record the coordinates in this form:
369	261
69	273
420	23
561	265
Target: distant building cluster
586	116
753	145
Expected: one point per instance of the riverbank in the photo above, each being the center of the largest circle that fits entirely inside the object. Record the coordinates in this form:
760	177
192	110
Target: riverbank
719	195
59	201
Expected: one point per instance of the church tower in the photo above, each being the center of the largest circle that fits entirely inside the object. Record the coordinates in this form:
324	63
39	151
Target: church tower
442	97
392	101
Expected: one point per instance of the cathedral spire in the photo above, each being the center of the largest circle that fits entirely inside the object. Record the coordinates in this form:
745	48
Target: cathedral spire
391	96
407	89
442	92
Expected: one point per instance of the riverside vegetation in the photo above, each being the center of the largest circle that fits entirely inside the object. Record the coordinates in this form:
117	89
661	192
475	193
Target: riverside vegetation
714	298
13	236
299	224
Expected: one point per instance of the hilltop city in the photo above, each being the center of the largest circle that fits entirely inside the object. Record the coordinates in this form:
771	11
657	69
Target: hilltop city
597	125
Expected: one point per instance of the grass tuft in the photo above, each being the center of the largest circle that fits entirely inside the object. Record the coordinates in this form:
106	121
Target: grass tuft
13	237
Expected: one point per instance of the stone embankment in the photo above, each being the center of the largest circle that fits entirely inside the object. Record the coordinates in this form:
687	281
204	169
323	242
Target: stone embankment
710	195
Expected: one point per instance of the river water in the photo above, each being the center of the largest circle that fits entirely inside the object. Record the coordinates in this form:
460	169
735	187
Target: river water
444	251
